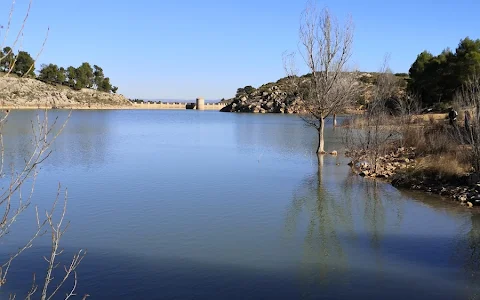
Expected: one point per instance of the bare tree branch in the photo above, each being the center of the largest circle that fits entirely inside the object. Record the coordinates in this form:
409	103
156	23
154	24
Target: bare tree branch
44	134
57	232
372	134
325	47
38	54
468	99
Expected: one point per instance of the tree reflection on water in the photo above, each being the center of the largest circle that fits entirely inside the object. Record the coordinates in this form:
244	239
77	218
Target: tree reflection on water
351	226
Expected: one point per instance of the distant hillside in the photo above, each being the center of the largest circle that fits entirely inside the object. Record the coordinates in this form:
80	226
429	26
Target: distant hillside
277	97
27	92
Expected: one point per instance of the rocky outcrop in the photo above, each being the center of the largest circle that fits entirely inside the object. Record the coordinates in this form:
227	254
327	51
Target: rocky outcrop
279	97
26	92
271	99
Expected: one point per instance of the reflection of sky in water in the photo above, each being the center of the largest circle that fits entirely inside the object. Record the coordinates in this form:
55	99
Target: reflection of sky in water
204	204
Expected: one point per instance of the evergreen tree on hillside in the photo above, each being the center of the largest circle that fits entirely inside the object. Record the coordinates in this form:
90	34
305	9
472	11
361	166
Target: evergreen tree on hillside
105	85
98	76
84	76
24	64
77	78
52	74
71	76
437	78
61	75
48	73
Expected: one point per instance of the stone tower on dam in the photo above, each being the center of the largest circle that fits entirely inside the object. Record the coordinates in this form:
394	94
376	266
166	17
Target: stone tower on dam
200	105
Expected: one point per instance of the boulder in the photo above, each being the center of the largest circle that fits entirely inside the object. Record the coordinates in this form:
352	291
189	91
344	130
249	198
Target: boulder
364	173
364	165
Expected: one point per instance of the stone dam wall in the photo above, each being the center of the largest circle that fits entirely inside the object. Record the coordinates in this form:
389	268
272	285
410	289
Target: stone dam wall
180	105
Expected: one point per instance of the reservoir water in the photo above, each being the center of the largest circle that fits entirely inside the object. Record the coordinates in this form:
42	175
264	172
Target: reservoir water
209	205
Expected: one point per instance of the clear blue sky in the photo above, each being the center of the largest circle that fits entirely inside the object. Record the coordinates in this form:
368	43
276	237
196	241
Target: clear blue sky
166	49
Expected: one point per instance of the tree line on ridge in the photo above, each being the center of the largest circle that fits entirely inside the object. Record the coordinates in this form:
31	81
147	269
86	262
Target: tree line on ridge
84	76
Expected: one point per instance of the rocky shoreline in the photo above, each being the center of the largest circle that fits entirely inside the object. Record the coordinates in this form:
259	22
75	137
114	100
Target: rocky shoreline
397	166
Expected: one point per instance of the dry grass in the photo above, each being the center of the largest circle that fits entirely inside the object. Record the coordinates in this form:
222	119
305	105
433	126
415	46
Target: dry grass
433	139
359	120
440	167
430	117
412	136
439	154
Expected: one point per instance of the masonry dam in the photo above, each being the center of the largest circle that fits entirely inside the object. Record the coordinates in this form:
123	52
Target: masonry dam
199	104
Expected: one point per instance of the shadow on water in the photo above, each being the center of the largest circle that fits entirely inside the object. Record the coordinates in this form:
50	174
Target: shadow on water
112	276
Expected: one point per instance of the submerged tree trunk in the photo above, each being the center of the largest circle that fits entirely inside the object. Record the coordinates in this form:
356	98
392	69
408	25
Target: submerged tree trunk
321	140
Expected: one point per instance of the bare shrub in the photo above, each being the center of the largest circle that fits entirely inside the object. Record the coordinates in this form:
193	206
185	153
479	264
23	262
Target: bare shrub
407	109
438	139
373	134
412	136
468	100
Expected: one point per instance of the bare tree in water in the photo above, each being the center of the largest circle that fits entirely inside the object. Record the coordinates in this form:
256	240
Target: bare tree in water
18	185
326	47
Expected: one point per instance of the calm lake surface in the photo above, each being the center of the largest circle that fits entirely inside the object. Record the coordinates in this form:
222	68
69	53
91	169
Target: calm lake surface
208	205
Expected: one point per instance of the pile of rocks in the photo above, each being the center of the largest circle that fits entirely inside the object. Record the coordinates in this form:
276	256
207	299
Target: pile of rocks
387	165
268	100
